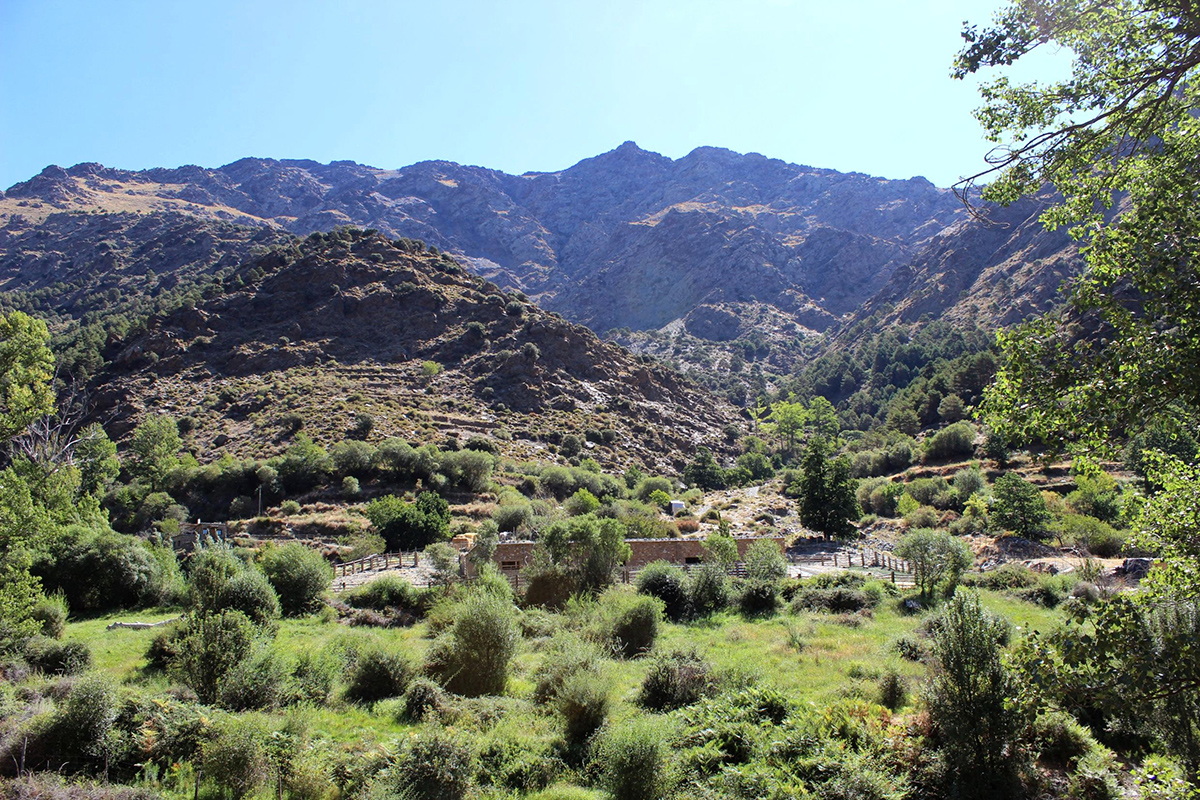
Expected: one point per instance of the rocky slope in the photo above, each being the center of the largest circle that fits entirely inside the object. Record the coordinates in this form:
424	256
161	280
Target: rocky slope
356	323
724	265
626	239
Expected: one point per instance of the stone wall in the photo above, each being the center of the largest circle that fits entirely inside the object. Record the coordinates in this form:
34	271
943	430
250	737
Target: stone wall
512	557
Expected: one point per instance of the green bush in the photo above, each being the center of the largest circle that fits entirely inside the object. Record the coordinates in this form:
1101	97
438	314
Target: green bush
208	647
377	674
632	621
582	701
423	699
1005	577
313	676
833	600
250	593
434	766
708	590
954	441
1060	738
757	597
410	526
582	502
77	736
967	699
474	657
235	755
669	584
634	758
893	693
257	682
289	508
51	613
1099	538
299	574
566	655
675	680
352	458
386	591
56	658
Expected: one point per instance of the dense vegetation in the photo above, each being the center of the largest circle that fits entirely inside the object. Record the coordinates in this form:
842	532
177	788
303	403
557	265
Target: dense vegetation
729	679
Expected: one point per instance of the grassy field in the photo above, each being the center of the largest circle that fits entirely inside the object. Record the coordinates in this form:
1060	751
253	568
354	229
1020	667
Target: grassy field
811	657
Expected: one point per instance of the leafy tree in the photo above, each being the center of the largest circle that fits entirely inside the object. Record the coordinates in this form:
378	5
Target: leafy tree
304	464
720	548
935	556
26	373
154	449
966	697
1018	506
764	562
410	526
299	575
96	457
787	423
828	501
1127	344
704	471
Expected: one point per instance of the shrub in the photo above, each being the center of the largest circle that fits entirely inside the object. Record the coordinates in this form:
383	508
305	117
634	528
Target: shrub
313	676
423	699
1060	738
255	683
352	458
968	482
250	593
676	680
758	597
567	655
235	756
1099	538
1005	577
707	590
632	621
56	658
935	557
648	486
570	446
299	575
434	766
473	658
209	646
386	591
582	502
582	701
351	487
410	526
893	693
77	736
377	674
634	756
289	508
954	441
966	698
668	583
832	600
51	613
511	518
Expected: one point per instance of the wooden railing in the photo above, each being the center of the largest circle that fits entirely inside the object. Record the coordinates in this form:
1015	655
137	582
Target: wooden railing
376	562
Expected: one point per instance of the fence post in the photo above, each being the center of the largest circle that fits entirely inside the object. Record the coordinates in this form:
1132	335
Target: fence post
893	578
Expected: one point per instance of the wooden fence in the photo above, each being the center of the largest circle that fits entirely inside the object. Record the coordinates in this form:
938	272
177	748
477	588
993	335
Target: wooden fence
376	562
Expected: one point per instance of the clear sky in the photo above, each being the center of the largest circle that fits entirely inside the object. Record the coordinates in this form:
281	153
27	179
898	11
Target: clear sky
517	85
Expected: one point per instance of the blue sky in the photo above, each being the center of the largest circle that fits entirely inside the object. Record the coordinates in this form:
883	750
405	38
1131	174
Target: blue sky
855	85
